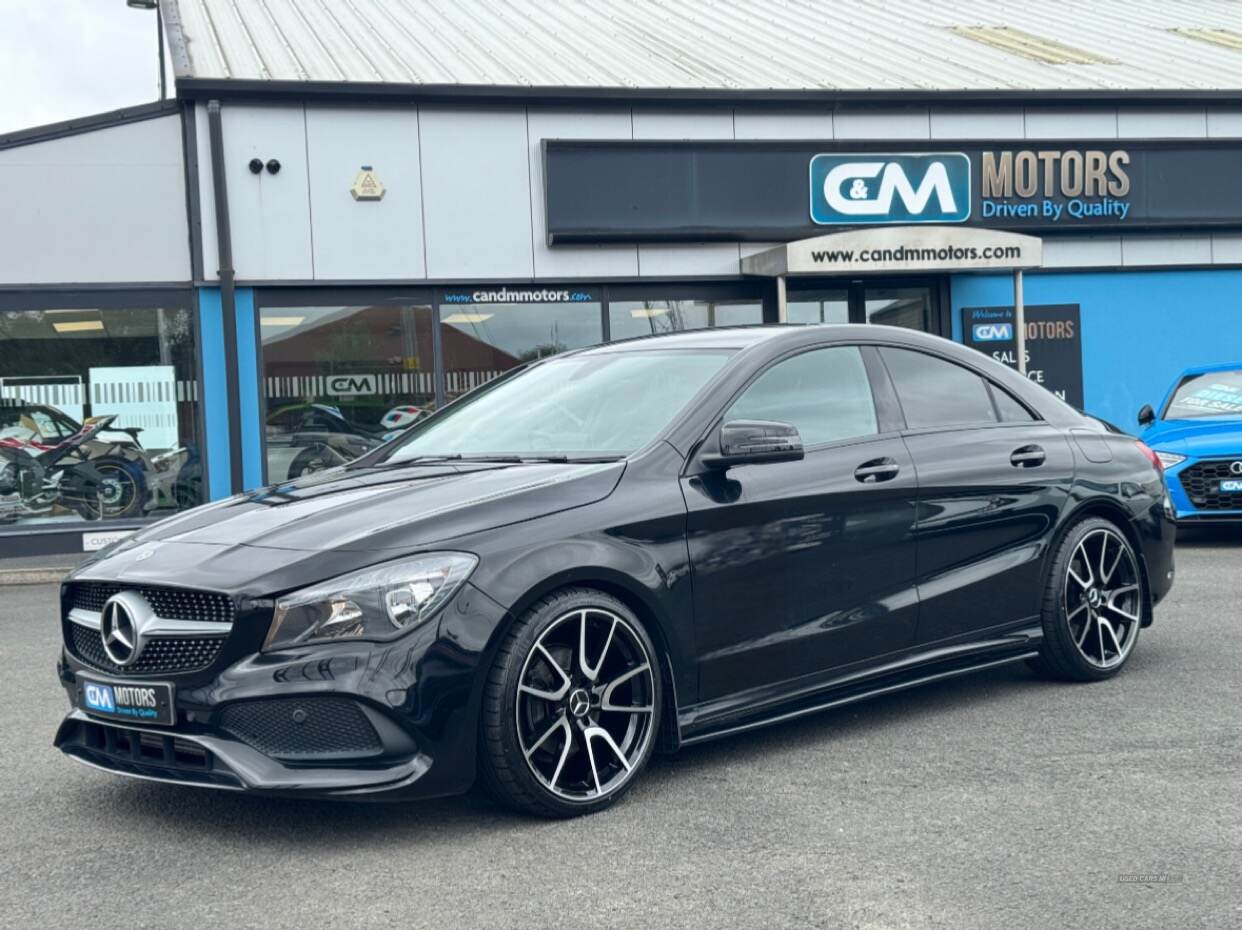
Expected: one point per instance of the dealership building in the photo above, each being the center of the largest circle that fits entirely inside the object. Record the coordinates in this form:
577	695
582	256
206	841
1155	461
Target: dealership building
352	213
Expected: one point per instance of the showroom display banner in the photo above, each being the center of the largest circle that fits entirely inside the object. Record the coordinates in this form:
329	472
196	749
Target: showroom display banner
1053	344
773	191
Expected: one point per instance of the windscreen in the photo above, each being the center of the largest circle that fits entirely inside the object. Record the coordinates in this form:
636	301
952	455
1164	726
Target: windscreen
590	405
1215	394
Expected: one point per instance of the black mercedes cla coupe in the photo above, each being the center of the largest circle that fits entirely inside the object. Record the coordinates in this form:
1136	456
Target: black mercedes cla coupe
617	550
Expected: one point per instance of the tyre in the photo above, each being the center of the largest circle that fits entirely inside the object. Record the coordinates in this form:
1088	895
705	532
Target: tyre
1093	604
114	489
312	459
571	706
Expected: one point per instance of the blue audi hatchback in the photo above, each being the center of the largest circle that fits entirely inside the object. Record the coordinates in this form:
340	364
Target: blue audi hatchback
1198	437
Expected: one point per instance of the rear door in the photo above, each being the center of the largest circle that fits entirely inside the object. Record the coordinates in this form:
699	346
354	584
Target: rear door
993	479
805	566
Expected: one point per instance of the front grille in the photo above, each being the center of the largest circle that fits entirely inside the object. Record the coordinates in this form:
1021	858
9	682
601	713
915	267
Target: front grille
169	603
1201	482
145	753
322	726
161	656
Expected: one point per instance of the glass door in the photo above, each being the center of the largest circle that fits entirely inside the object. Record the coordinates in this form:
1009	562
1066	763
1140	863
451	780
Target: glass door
911	304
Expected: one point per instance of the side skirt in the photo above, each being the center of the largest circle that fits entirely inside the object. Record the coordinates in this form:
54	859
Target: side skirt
880	681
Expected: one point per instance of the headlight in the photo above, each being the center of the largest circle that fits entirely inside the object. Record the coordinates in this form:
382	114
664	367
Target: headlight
376	603
1169	459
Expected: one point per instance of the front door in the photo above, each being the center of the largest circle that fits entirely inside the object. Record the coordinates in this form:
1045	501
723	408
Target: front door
803	566
911	303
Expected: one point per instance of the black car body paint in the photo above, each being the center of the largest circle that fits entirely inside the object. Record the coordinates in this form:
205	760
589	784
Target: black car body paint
770	590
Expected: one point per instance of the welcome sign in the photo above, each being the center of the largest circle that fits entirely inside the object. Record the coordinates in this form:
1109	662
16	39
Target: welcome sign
774	191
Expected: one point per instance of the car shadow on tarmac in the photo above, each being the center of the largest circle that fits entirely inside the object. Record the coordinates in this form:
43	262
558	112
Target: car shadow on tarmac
1209	537
303	824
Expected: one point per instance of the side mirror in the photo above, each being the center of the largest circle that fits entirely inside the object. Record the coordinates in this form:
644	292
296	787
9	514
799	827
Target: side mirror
1146	416
752	442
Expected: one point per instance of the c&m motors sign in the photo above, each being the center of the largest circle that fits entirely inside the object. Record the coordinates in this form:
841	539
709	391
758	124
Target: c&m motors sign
905	188
781	190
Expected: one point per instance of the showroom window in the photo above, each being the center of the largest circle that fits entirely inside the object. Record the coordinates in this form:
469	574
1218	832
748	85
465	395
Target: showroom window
99	408
340	380
648	316
486	331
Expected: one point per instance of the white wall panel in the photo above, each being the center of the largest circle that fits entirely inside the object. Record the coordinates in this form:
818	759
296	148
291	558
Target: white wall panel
1166	250
1082	252
913	123
269	214
688	259
775	124
1162	124
1224	123
102	206
1071	124
1227	248
356	238
574	261
672	123
476	193
977	124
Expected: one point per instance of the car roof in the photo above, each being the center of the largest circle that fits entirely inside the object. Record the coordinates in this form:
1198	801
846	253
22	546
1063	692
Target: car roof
735	337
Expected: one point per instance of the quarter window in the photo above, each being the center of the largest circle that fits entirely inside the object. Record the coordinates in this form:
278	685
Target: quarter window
824	393
935	392
1009	409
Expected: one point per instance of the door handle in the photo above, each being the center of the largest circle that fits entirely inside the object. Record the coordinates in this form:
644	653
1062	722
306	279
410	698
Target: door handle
1027	457
877	470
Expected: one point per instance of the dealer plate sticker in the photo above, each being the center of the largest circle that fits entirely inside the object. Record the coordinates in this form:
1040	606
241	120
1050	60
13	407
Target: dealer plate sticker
146	703
1231	487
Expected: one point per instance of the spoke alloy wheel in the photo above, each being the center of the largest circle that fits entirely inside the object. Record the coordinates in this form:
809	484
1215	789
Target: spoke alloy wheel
585	710
1102	598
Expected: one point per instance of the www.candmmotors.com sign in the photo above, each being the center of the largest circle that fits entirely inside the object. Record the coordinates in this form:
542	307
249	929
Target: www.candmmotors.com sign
897	249
756	191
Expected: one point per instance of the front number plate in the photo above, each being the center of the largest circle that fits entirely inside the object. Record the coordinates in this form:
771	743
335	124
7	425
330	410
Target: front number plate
1232	486
118	700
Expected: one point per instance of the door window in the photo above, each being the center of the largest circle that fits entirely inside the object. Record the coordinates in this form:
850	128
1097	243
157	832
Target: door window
824	393
937	393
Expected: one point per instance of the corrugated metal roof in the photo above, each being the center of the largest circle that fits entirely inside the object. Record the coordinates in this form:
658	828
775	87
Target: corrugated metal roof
724	45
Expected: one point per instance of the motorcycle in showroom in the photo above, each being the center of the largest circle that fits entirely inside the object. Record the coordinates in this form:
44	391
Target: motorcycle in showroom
40	480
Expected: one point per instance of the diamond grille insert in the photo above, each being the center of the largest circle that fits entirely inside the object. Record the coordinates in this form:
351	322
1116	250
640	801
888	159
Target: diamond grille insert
1201	482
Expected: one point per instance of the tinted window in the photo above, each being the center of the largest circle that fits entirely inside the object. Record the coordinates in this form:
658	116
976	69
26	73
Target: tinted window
1010	410
934	392
824	393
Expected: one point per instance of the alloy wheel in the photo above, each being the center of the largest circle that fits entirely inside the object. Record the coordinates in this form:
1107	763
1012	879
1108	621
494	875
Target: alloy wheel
1102	598
585	704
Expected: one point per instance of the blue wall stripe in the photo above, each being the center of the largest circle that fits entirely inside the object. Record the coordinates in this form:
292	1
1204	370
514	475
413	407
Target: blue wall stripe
248	389
1140	329
215	398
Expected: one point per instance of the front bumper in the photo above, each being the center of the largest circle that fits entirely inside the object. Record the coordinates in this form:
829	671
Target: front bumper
1187	512
417	699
